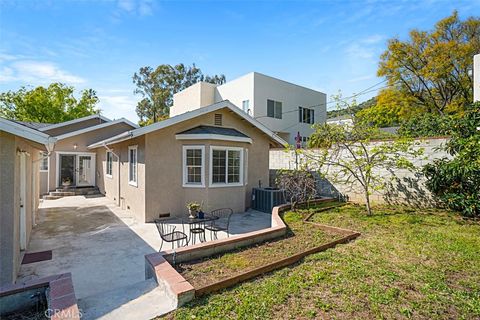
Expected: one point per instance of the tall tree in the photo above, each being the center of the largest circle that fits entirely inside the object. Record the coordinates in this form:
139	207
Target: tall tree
348	155
53	104
157	87
432	67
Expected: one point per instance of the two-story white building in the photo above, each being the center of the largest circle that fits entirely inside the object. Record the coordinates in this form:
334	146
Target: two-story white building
283	107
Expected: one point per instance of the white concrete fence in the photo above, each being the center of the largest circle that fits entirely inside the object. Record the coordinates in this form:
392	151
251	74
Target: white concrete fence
403	186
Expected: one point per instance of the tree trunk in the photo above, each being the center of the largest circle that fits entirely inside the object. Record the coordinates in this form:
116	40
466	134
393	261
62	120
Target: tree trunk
367	202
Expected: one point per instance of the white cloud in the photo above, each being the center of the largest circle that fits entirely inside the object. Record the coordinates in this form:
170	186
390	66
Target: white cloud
35	72
373	39
137	7
117	104
361	78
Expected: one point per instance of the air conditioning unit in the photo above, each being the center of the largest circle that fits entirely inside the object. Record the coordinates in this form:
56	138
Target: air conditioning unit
264	199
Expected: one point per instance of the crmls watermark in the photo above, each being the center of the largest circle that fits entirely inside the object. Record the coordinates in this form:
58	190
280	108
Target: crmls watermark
67	313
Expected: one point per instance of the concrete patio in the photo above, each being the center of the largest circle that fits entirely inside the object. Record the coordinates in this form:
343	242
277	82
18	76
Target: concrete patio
104	248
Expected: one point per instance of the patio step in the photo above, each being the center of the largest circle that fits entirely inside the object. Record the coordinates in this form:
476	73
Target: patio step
141	300
69	192
62	193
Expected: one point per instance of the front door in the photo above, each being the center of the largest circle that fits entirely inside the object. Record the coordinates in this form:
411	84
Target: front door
67	170
84	170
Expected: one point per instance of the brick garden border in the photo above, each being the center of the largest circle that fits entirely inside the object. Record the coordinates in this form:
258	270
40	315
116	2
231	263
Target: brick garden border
158	265
62	303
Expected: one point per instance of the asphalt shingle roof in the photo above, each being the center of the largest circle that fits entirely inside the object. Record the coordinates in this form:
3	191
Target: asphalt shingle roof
33	125
215	130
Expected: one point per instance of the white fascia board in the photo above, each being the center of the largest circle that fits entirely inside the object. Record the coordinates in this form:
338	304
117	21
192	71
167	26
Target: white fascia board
115	139
208	136
66	123
92	128
26	132
190	115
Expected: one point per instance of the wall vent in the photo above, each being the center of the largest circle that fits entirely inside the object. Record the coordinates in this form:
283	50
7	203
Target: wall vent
218	119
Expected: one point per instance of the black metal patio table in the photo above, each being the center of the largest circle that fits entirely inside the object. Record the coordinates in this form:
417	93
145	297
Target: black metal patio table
197	226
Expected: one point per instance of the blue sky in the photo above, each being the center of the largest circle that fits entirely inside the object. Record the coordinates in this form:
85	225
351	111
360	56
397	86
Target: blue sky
324	45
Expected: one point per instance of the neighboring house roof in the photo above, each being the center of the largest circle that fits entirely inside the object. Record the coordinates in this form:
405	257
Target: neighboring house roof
344	117
33	125
187	116
66	123
213	133
26	132
392	130
96	127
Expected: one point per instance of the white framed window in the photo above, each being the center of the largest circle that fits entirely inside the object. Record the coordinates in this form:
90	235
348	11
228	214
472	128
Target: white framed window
306	115
194	166
274	109
132	165
109	164
226	166
43	161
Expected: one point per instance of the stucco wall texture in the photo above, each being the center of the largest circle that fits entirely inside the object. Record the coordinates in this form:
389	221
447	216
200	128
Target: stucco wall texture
12	148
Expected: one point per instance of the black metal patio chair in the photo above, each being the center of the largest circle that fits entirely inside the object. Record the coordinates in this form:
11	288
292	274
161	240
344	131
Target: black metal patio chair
220	224
167	233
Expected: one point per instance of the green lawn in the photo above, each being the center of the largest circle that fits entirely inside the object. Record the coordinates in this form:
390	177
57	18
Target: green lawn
419	264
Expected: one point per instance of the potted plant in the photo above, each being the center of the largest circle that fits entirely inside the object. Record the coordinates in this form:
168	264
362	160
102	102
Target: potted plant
66	182
193	208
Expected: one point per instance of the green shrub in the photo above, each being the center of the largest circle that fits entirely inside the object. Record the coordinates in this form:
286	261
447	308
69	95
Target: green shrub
457	181
427	125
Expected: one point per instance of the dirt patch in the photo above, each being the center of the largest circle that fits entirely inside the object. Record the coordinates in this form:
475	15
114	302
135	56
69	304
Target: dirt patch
300	237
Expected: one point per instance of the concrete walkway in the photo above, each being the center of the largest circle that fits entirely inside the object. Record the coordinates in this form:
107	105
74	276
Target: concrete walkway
104	248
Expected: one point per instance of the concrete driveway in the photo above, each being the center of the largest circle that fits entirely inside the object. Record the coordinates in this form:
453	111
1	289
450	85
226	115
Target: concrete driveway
104	248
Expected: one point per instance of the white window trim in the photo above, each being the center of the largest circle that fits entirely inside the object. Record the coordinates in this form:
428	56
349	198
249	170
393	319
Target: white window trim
186	184
106	164
48	161
131	182
223	185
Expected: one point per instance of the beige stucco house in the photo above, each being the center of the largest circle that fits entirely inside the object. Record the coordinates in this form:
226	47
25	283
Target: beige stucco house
20	148
214	155
72	161
34	159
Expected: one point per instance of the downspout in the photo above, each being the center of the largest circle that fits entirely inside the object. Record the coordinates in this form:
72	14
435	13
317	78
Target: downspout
118	170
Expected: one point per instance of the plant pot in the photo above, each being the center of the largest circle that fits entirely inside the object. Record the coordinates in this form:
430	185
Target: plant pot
193	213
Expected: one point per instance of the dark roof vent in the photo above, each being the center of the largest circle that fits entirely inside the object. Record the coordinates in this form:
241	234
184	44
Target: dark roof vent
218	119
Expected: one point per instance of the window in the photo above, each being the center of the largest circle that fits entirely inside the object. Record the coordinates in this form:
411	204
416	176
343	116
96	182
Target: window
132	165
274	109
306	115
193	166
108	169
226	166
43	161
246	105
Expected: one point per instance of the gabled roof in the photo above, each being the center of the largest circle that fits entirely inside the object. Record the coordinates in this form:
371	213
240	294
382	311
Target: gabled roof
66	123
187	116
96	127
27	133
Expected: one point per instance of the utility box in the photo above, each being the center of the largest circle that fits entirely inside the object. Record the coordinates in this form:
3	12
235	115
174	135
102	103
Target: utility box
264	199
